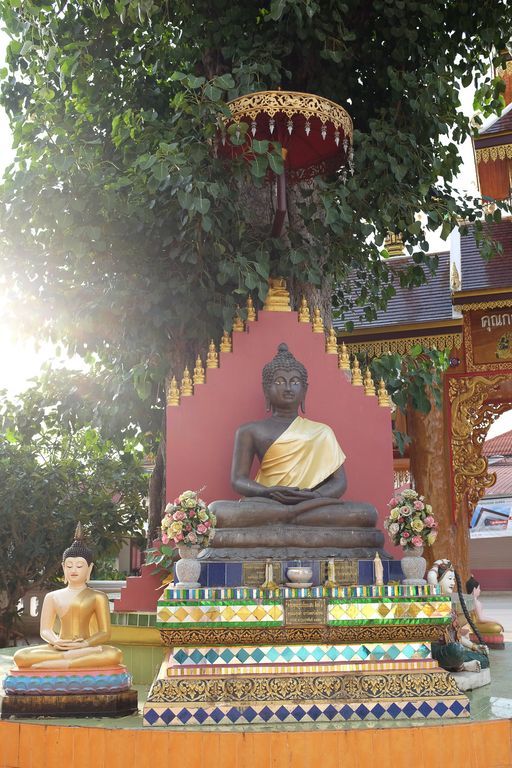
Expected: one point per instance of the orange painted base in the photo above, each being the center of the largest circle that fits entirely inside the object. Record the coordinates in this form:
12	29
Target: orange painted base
461	745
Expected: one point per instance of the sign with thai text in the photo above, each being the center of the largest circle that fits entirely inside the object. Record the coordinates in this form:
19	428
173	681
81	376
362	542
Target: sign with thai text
490	337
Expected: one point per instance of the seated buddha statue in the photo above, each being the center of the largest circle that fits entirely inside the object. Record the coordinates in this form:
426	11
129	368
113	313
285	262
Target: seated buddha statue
489	628
84	621
294	500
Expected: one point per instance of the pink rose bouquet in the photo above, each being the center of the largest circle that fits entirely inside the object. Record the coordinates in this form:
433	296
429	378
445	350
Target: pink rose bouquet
411	523
187	521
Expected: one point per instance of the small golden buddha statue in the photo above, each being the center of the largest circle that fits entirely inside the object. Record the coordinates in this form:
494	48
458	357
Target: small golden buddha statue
331	344
238	323
318	323
357	377
186	384
343	358
278	298
84	620
199	377
212	358
369	386
304	315
383	395
251	312
173	394
225	343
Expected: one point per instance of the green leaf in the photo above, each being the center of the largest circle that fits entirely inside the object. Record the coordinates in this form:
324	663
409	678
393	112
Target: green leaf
225	82
276	163
260	147
259	166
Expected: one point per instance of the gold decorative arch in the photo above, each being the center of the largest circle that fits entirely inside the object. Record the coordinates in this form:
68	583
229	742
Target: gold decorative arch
472	413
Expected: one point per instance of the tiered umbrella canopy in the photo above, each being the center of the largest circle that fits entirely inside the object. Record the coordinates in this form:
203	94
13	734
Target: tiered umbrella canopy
315	133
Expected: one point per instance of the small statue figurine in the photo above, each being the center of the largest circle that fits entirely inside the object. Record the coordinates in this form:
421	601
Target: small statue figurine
76	645
225	343
318	323
251	312
331	344
97	683
186	384
456	652
343	358
490	629
198	377
269	582
304	316
378	570
331	574
212	358
278	298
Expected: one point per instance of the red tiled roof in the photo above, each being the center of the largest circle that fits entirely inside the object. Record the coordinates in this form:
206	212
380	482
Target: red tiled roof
502	123
498	446
503	485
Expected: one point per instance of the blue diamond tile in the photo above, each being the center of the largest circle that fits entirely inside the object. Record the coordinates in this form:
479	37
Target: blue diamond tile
233	714
457	708
330	712
287	654
362	712
425	708
440	708
217	715
196	656
314	712
183	716
364	652
282	713
394	710
266	714
298	713
151	716
227	655
303	653
180	657
257	655
378	710
249	713
167	716
211	656
346	712
333	654
200	715
242	655
272	654
410	709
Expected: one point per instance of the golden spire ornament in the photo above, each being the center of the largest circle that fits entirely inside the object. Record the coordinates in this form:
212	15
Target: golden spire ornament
383	395
186	384
318	323
225	343
343	358
369	386
251	312
238	323
357	378
212	358
173	393
304	316
331	344
199	377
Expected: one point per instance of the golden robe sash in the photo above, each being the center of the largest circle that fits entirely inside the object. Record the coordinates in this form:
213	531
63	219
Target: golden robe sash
305	455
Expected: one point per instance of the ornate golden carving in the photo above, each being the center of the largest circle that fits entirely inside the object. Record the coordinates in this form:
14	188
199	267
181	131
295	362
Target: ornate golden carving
304	316
343	358
455	283
331	344
278	298
394	244
318	323
491	154
369	386
173	394
377	348
199	377
344	686
290	103
281	635
497	304
471	418
186	384
212	358
251	312
225	343
357	378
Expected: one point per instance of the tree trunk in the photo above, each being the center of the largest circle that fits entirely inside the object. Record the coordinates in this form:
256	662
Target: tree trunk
430	468
156	493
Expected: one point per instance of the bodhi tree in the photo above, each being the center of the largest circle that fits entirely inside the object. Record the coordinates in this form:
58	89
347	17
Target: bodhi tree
57	467
125	235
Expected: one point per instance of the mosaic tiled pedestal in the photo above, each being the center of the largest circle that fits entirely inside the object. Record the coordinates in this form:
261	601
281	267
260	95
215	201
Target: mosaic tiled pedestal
247	655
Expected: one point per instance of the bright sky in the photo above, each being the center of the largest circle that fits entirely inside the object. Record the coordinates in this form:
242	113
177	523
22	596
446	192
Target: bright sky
21	360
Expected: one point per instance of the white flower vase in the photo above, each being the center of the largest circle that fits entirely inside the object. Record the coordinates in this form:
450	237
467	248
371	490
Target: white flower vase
188	569
413	566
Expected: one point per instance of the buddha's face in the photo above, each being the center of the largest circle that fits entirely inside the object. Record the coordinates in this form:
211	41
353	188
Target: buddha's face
286	389
76	571
447	583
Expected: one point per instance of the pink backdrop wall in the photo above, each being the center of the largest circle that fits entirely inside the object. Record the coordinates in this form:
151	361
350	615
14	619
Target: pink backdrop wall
200	431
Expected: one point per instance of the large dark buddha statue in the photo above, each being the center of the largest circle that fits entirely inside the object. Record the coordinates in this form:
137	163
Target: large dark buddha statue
292	508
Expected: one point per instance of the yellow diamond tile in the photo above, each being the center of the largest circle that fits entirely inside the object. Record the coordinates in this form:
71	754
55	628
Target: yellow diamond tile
428	609
243	613
259	612
335	612
352	611
180	614
164	614
227	613
369	611
275	612
384	609
413	610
